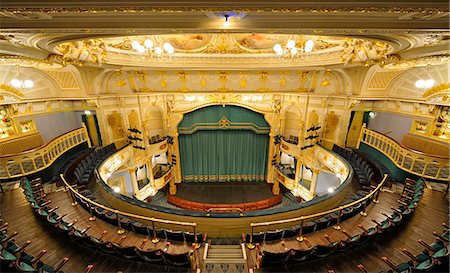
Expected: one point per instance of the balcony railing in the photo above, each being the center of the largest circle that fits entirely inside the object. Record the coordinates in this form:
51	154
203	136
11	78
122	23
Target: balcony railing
414	162
29	162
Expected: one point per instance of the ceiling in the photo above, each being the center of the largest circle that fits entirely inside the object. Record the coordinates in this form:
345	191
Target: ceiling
93	39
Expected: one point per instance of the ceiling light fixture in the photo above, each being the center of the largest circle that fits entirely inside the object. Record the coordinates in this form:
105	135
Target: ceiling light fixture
425	83
18	83
148	47
226	23
227	15
294	49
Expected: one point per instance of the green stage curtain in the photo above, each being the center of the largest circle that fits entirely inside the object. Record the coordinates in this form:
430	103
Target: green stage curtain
223	155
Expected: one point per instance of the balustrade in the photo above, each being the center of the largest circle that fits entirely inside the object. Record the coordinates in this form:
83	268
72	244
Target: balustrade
421	164
29	162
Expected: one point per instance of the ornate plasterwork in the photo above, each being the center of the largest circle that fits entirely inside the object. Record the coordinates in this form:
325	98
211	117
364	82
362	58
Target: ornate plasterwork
381	79
203	9
366	52
223	48
439	93
434	39
262	81
9	94
92	51
419	62
28	62
65	79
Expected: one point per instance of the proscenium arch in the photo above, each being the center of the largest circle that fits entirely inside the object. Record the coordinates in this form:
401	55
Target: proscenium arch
223	144
266	113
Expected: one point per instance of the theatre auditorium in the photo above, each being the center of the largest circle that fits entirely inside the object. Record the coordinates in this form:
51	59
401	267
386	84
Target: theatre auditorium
224	136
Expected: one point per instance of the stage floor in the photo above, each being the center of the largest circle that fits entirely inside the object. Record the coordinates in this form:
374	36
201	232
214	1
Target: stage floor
224	192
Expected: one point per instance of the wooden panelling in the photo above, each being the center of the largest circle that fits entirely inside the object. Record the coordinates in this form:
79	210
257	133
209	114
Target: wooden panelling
426	145
21	143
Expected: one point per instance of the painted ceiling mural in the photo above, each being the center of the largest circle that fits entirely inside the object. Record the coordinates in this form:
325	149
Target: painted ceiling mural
223	48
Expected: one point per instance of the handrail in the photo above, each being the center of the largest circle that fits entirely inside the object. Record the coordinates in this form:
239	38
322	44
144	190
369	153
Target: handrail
35	160
224	209
315	215
404	147
127	214
424	165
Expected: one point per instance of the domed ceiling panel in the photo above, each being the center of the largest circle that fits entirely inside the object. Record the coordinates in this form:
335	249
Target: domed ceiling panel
222	50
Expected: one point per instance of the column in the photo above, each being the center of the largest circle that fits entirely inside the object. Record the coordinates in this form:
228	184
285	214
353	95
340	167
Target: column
176	153
361	135
298	170
271	153
92	129
313	187
149	167
276	187
172	187
134	183
87	135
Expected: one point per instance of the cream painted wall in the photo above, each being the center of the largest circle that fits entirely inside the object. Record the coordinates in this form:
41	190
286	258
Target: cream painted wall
54	124
398	124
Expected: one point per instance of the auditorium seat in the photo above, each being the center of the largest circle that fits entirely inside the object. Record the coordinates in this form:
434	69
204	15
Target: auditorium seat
256	238
325	250
270	259
190	237
400	268
153	256
300	255
439	250
421	262
174	236
178	260
276	235
291	232
126	252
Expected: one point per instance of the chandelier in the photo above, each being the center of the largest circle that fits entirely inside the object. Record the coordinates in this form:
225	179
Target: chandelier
148	47
426	82
19	83
293	49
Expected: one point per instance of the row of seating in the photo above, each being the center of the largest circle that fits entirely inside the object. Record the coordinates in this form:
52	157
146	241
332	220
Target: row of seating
71	161
84	169
408	202
313	225
434	257
136	226
14	258
361	167
38	202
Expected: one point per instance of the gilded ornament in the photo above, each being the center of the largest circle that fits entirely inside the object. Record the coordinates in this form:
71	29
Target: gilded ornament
223	122
121	83
181	9
440	89
202	79
7	89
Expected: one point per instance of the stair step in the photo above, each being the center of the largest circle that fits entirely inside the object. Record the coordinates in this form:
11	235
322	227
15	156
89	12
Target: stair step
233	257
225	252
229	253
226	249
221	261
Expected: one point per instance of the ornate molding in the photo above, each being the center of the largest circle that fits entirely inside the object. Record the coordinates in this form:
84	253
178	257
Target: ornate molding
179	9
418	62
5	88
441	91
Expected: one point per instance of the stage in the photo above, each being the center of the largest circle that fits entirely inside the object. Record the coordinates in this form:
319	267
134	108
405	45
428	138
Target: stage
204	196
